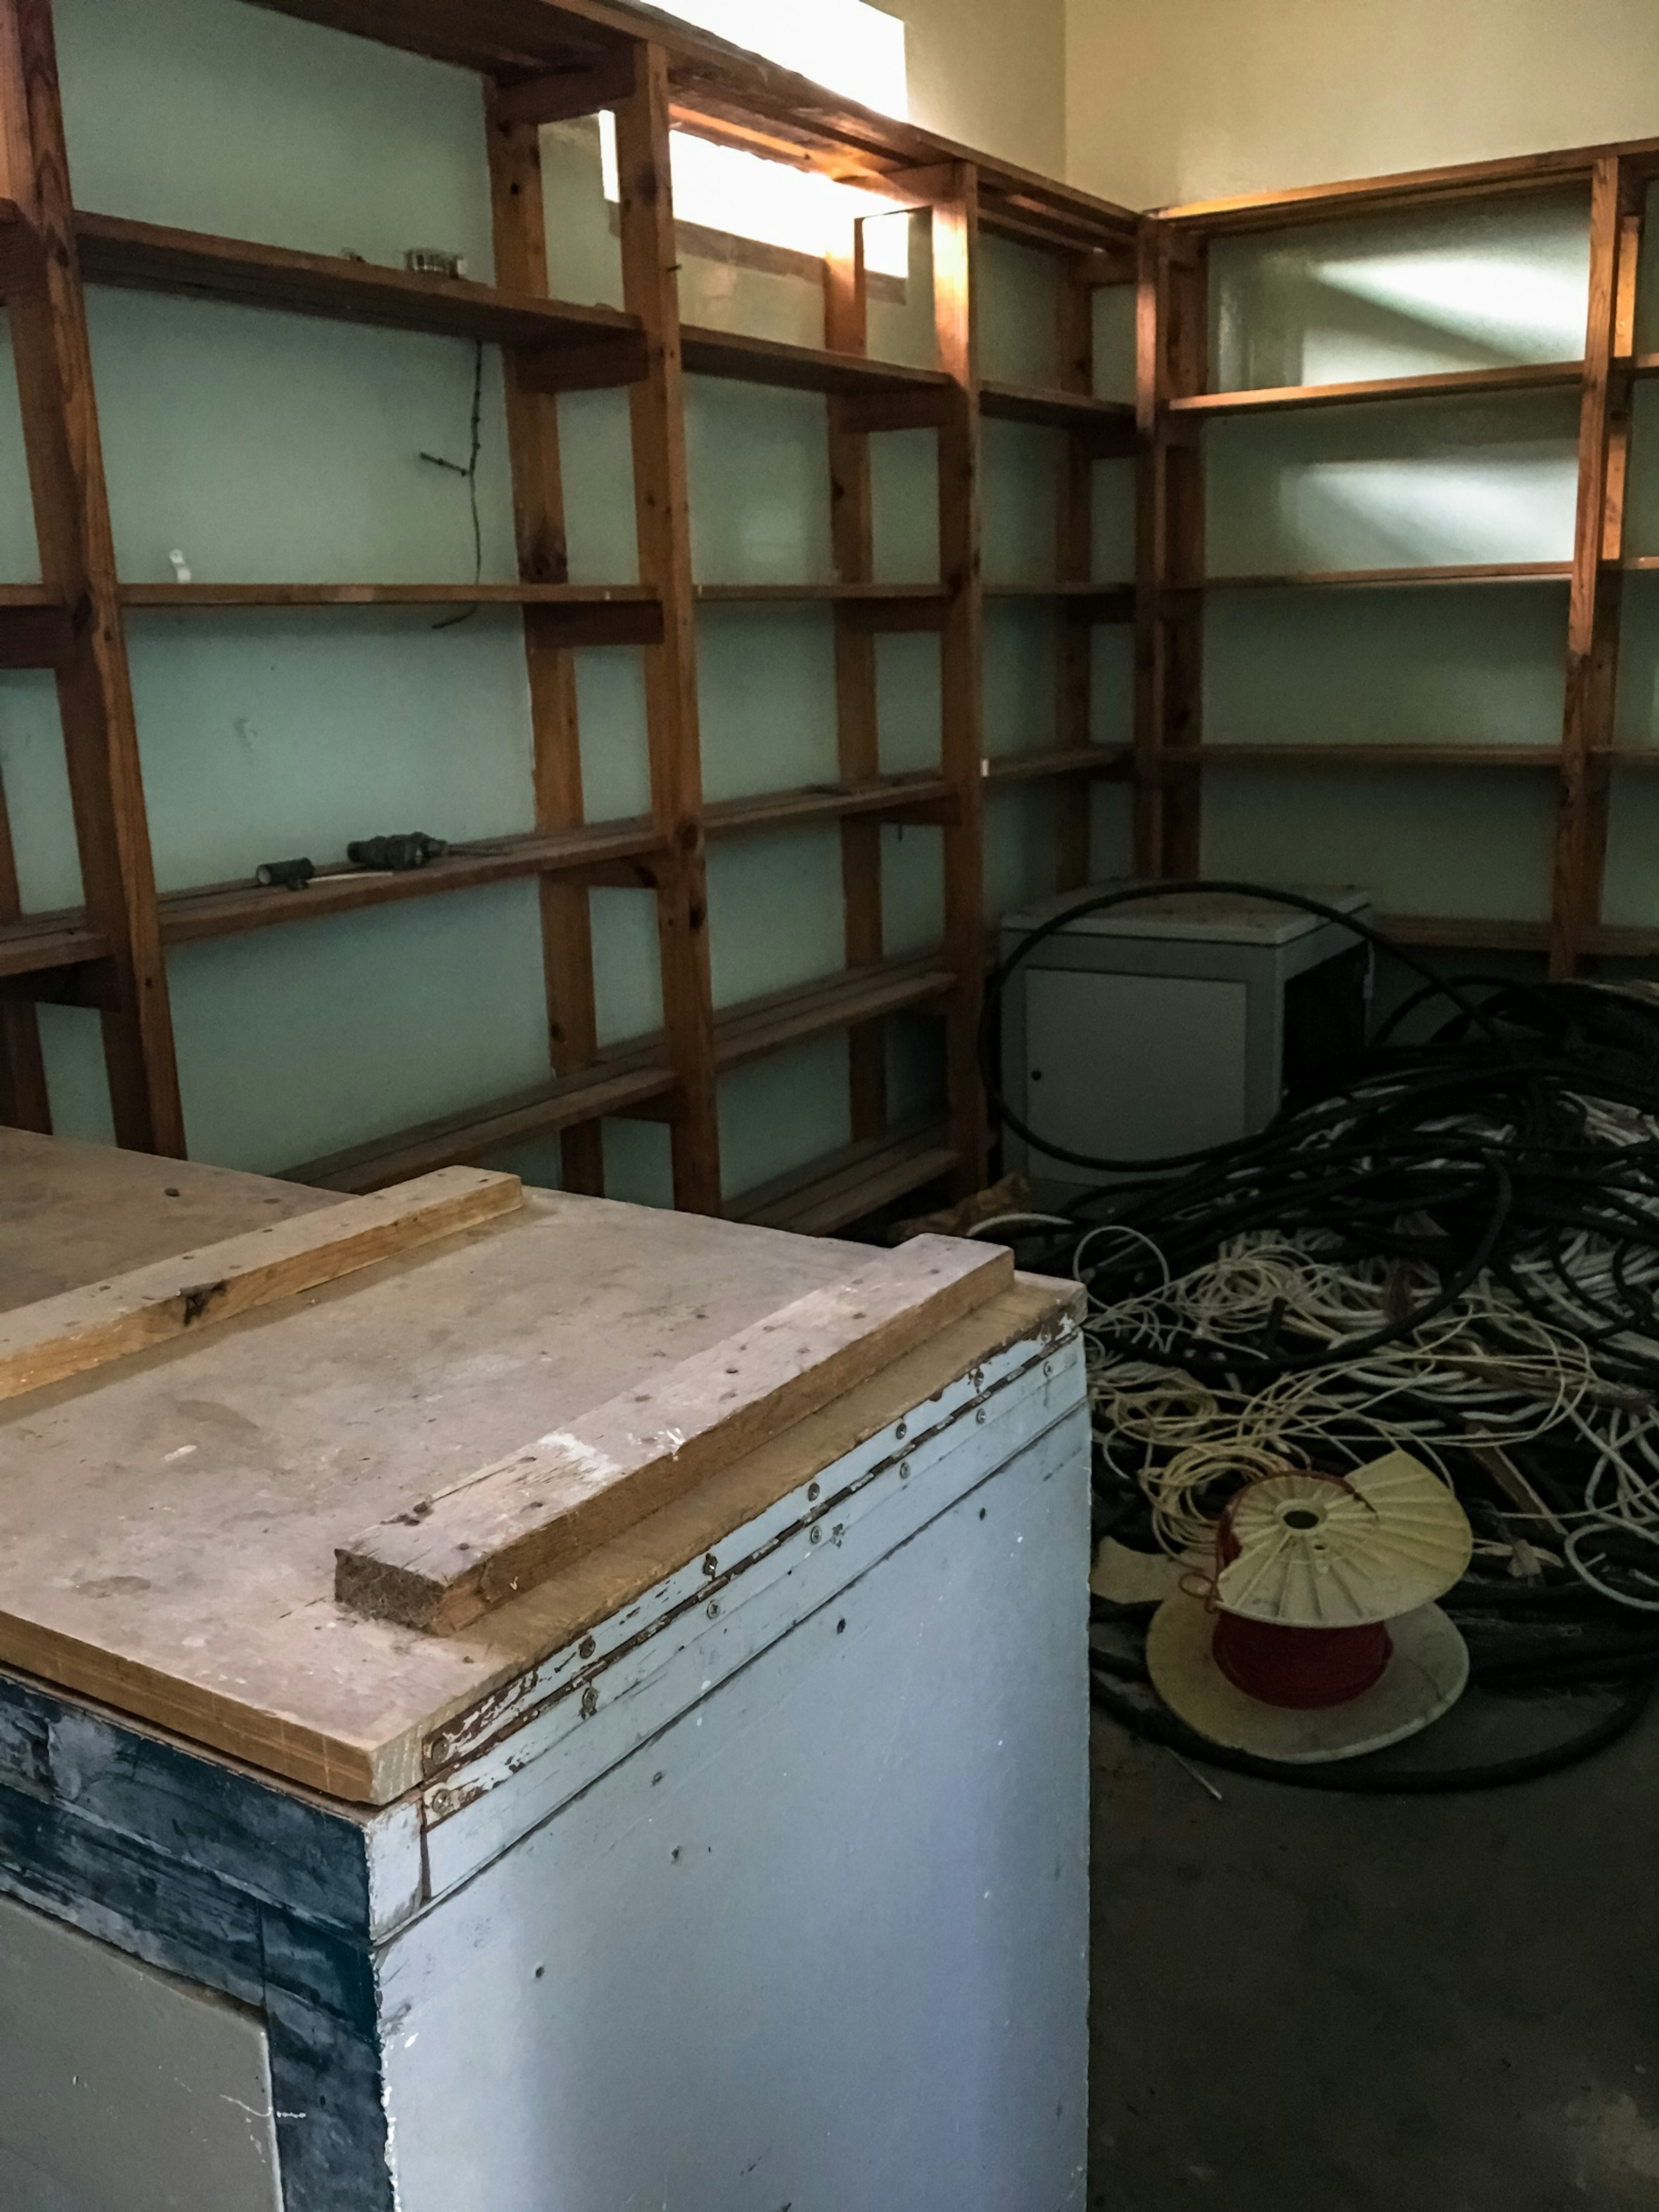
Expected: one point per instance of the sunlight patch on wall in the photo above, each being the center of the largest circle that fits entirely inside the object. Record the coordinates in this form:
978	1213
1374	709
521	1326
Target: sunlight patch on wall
1505	302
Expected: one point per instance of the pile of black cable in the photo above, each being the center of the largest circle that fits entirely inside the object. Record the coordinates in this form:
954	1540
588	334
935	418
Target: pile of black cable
1455	1248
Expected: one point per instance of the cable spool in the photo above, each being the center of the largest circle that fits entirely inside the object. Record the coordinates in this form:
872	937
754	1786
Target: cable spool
1318	1636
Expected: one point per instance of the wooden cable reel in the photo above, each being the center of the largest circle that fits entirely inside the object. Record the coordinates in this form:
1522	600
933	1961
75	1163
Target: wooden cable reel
1318	1636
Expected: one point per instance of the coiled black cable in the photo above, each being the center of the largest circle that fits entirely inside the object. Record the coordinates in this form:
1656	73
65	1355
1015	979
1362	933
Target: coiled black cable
1479	1150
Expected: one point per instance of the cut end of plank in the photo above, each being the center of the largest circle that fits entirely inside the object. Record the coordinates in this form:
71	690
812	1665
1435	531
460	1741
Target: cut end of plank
449	1559
382	1591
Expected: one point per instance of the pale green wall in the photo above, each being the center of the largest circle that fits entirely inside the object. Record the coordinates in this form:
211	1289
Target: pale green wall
270	448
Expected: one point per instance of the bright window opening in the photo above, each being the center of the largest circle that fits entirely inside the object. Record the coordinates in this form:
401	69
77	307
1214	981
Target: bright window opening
846	45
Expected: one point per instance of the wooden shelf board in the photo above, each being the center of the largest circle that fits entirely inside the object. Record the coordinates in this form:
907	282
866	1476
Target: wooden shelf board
619	1082
1471	571
37	944
630	1075
1460	933
718	91
761	595
1339	756
1543	376
773	811
584	596
1112	419
745	360
1411	188
1113	761
844	1186
757	1028
1610	941
151	258
1101	603
232	909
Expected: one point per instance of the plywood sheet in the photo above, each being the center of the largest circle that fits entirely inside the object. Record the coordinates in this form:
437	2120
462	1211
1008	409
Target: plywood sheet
167	1532
74	1213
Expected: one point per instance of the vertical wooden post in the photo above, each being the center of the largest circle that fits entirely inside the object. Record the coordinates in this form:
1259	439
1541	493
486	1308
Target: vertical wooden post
956	243
845	330
650	290
53	360
1075	564
532	433
1617	197
1171	361
24	1103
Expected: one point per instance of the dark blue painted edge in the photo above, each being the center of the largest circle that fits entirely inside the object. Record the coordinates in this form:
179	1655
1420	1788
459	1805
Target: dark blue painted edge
198	1811
212	1876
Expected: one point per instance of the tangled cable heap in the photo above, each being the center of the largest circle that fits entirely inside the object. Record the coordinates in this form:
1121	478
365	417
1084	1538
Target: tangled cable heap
1458	1251
1454	1250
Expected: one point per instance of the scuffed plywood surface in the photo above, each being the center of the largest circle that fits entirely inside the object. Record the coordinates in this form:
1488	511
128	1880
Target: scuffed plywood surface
168	1534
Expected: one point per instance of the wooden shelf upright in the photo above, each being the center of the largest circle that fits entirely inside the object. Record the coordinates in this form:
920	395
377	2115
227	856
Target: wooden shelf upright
46	308
1172	763
1617	198
845	330
541	62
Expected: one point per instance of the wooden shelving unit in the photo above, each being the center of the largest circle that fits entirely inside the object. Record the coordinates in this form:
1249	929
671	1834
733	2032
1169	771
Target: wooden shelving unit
623	1079
832	1192
541	61
1175	402
544	61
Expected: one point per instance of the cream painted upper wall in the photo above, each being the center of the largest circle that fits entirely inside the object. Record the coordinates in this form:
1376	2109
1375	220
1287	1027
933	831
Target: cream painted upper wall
1179	99
992	74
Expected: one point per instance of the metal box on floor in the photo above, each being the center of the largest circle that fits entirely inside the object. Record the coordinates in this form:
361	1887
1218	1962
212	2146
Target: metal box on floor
740	1864
1171	1023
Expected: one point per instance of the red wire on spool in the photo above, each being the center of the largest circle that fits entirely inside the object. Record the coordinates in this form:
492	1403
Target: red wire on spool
1309	1669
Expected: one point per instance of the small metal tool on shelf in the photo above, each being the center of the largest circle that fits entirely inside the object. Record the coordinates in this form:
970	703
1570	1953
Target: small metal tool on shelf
399	853
288	875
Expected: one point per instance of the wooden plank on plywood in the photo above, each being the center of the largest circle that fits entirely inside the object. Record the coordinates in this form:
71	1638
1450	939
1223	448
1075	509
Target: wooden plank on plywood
450	1558
85	1328
77	1214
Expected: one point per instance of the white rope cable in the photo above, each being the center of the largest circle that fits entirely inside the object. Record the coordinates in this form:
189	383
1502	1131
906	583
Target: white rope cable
1487	1372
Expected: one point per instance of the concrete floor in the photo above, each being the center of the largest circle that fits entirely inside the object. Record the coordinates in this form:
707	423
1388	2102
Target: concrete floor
1314	2003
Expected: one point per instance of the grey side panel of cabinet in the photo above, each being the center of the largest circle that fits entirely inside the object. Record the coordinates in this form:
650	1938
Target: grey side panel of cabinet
123	2088
821	1943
